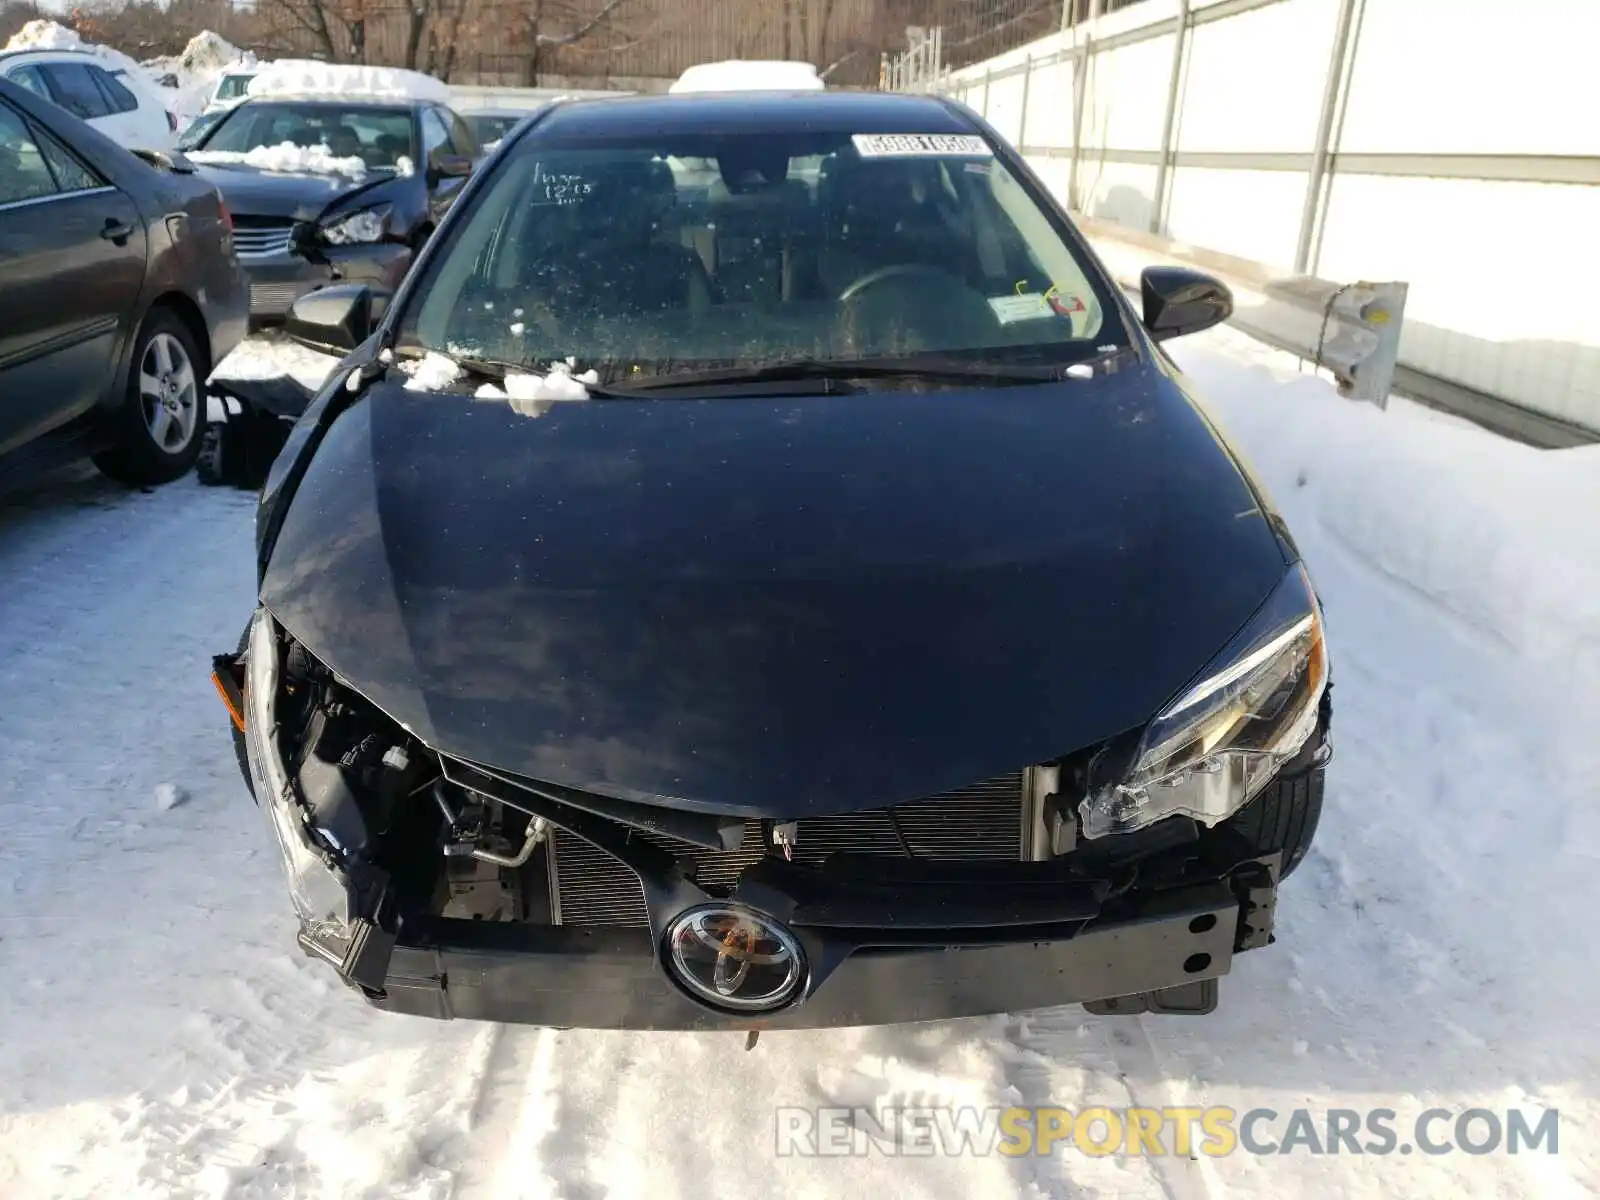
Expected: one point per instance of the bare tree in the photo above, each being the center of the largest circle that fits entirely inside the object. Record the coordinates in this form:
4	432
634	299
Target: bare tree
553	25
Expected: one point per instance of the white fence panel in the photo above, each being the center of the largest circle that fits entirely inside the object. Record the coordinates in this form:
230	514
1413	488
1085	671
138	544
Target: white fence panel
1443	142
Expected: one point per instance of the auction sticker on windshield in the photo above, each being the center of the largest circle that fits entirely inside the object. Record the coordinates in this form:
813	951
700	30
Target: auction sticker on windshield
901	145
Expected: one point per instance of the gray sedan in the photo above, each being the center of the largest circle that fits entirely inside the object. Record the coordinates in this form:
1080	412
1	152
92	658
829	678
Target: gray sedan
118	293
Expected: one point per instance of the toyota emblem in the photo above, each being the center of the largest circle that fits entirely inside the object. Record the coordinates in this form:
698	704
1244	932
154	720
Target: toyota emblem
735	959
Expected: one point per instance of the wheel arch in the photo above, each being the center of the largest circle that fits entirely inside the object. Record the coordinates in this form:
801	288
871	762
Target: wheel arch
187	311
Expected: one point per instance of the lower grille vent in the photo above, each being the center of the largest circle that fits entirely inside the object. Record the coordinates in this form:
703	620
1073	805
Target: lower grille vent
978	823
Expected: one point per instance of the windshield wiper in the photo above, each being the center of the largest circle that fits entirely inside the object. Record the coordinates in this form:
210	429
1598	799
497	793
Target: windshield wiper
804	369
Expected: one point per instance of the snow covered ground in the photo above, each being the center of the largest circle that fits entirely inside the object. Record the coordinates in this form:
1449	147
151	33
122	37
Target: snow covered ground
160	1036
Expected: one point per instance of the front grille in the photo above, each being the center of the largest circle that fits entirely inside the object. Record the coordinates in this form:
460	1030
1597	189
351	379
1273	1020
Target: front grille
261	237
978	823
273	297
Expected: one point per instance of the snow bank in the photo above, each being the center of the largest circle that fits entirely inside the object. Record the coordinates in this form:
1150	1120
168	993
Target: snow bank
206	58
286	157
303	77
737	75
1501	535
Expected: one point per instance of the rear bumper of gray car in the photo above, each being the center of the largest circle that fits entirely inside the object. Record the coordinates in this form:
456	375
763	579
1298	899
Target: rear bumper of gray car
278	280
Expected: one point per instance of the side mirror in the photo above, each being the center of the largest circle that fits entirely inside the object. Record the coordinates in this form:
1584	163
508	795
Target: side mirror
335	320
1178	300
165	160
445	165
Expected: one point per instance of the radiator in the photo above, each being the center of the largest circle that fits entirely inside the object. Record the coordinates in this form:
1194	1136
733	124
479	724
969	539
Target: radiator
978	823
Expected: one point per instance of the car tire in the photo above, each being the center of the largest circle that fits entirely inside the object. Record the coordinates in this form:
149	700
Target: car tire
157	427
217	465
239	450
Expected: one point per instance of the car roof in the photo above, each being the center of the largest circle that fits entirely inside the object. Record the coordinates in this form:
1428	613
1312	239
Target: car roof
340	100
77	53
754	112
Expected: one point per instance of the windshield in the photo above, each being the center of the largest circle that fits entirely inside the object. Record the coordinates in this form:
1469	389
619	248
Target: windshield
379	137
748	250
490	127
197	129
233	86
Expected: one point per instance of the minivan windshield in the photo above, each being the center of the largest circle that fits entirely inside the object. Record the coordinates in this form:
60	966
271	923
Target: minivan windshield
680	253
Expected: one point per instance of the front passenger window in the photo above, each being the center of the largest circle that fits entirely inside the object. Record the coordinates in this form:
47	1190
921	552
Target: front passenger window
24	174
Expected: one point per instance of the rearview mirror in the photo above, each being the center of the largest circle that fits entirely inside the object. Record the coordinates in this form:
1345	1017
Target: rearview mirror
445	165
1178	300
335	320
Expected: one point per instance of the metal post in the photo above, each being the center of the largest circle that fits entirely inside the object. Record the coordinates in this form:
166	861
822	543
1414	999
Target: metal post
1322	151
1080	97
988	77
1158	208
1027	86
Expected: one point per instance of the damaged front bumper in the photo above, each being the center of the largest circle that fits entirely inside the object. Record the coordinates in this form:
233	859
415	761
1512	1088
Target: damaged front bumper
1166	956
278	280
852	939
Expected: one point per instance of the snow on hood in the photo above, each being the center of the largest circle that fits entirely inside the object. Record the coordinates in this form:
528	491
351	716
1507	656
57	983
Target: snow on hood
737	75
431	373
528	393
304	77
287	158
534	395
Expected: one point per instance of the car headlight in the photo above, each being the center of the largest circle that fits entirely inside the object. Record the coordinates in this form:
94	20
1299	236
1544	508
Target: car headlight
368	225
1223	739
320	891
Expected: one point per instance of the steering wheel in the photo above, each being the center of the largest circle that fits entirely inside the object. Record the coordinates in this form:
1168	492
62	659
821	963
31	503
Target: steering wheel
896	271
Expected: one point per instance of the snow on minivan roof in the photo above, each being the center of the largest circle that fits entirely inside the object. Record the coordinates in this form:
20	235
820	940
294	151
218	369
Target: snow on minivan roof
290	77
738	75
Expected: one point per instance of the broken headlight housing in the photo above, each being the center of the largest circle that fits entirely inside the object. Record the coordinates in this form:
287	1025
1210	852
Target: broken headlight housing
1224	738
319	889
367	225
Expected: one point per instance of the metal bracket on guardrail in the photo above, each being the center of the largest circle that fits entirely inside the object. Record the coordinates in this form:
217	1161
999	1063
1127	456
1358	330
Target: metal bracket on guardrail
1352	329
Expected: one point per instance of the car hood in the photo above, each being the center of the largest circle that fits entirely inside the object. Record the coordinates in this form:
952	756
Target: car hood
300	196
774	606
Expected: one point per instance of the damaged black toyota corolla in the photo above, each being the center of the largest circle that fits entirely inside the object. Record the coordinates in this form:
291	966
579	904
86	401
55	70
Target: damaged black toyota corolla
759	572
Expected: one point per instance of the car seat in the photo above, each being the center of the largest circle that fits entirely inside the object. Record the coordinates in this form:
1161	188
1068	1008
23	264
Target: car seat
344	142
877	214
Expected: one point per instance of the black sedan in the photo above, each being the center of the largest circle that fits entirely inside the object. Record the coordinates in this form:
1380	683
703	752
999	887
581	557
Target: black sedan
333	189
118	292
758	571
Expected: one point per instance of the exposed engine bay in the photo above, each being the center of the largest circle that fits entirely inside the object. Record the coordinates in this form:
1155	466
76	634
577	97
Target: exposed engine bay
426	836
